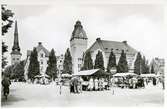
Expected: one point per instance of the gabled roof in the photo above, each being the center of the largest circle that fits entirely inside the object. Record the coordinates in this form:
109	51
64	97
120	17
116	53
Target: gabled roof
39	48
115	45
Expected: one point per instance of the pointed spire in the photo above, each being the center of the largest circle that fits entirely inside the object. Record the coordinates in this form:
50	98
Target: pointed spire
16	47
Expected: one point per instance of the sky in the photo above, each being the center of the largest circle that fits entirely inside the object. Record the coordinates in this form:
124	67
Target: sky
141	25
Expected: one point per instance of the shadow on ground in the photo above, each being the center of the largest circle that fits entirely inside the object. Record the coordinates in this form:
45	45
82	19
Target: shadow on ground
11	99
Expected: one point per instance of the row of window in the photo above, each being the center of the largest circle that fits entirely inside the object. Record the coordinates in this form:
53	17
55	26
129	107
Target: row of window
16	59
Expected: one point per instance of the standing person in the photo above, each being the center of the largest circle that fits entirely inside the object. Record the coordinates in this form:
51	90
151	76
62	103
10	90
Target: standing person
163	82
6	83
96	84
80	84
91	84
76	85
154	81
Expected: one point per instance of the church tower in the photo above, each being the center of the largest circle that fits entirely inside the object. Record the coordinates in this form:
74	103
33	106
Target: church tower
15	54
78	45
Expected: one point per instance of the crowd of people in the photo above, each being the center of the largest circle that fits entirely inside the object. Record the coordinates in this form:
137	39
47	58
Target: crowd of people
93	84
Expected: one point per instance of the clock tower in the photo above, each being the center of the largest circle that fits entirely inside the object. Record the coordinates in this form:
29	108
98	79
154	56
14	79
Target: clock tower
78	45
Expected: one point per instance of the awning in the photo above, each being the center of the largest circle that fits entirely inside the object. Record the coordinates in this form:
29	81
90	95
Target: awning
124	74
66	75
91	72
149	75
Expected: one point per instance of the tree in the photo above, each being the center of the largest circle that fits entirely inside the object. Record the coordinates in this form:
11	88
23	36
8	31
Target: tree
147	67
18	71
111	61
52	65
67	64
6	24
152	69
33	69
8	71
144	66
99	62
122	64
137	64
88	63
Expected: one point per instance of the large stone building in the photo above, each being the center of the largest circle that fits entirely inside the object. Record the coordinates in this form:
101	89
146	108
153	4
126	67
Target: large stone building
78	44
43	56
15	54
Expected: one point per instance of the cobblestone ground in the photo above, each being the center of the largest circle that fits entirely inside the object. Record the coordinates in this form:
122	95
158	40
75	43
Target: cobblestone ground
34	95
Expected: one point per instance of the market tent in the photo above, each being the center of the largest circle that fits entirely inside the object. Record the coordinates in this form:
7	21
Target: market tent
66	75
149	75
43	75
93	72
124	74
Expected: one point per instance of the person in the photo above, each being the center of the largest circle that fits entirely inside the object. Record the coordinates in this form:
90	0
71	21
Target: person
80	80
90	87
75	82
6	83
154	81
96	84
100	84
72	86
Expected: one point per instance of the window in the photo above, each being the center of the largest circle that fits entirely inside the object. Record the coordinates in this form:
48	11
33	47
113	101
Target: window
79	59
79	66
17	58
42	55
13	58
41	62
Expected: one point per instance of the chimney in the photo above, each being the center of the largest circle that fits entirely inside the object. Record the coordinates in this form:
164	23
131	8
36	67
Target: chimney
39	43
125	42
98	39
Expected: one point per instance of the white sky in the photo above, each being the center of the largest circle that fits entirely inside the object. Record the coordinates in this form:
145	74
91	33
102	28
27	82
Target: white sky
142	25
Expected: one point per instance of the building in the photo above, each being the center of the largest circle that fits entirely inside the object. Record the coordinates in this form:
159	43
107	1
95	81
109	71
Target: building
78	44
43	57
106	46
158	65
15	54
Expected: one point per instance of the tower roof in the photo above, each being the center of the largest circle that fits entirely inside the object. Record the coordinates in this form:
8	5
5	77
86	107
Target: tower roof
78	31
16	48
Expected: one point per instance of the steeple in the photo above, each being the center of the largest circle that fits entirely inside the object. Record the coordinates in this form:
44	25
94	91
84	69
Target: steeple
16	48
78	31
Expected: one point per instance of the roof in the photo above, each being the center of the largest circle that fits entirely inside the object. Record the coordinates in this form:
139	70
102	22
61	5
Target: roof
90	72
39	48
78	31
86	72
124	74
116	46
16	52
149	75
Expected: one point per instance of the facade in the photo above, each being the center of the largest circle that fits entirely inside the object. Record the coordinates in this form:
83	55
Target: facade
159	66
43	56
78	44
106	46
15	54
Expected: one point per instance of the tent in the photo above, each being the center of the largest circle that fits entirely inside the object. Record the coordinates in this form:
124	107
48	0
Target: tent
124	74
43	75
93	72
149	75
66	75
